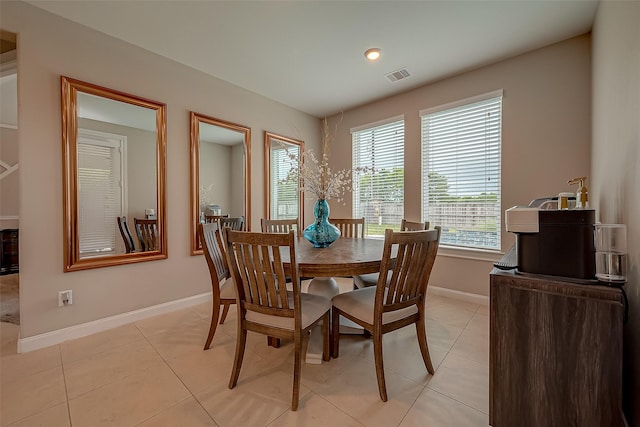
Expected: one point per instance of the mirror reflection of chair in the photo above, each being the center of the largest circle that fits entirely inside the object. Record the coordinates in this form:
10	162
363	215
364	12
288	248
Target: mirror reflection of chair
265	305
349	227
147	231
126	234
280	226
371	279
236	224
214	218
394	305
223	290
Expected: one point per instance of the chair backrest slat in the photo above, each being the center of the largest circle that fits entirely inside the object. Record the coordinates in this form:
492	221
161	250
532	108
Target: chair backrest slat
280	278
253	266
256	263
246	279
349	227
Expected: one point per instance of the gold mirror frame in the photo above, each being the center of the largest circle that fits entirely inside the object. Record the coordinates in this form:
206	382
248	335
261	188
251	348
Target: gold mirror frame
72	260
196	119
271	139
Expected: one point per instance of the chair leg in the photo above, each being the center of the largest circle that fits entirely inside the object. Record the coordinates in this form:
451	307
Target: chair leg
225	311
297	367
377	352
335	332
421	331
325	337
215	313
241	341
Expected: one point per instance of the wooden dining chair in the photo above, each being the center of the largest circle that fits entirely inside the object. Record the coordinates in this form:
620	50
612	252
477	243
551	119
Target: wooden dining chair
147	231
265	305
126	234
366	280
214	218
406	225
223	290
394	305
349	227
280	226
236	224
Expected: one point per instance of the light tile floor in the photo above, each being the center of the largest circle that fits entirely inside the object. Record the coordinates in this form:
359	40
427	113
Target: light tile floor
155	373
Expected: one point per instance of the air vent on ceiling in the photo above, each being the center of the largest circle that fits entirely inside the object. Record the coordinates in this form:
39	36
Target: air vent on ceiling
400	74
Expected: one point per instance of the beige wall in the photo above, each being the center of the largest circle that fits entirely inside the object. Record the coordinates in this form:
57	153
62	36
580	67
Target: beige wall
49	47
546	134
616	157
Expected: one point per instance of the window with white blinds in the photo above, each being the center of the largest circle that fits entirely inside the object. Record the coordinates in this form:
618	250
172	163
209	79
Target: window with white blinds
461	145
378	195
284	197
100	194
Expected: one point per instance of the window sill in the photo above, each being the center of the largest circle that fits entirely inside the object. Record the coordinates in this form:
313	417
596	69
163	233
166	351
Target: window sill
468	253
464	253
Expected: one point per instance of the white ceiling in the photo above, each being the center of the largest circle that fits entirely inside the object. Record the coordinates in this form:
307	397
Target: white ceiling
310	54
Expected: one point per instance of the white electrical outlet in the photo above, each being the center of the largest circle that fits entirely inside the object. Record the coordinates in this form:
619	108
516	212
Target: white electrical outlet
65	298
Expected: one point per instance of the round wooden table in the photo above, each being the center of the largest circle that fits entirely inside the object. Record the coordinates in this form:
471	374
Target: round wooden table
345	257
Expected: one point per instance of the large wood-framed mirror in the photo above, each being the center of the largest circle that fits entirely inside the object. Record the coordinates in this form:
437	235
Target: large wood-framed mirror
282	196
220	172
114	162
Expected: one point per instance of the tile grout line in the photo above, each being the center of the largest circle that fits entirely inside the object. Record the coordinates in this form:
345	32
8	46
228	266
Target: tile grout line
414	402
66	389
66	395
178	377
456	400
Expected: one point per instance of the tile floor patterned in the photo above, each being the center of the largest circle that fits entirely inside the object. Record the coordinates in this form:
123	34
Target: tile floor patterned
155	373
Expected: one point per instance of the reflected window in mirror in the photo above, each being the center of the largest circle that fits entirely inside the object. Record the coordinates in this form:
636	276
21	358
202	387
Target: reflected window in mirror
114	167
220	172
282	195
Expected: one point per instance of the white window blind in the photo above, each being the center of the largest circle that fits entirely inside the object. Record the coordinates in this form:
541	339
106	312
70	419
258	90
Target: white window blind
379	195
100	195
461	171
284	195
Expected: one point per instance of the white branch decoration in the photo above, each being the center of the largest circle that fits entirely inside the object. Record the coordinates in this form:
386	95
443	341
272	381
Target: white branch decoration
315	177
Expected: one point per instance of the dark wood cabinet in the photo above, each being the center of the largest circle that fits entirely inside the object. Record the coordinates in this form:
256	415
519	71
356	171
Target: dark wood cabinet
555	352
9	251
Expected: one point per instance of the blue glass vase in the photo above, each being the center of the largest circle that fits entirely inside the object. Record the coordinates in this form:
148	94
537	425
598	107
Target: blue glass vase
321	234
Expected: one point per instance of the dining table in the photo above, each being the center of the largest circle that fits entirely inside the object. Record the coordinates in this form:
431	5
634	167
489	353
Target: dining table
345	257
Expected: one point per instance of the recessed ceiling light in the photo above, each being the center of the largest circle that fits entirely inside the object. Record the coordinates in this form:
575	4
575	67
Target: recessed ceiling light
372	54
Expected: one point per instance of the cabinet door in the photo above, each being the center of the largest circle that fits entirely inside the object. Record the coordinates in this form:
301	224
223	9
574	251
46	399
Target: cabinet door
556	358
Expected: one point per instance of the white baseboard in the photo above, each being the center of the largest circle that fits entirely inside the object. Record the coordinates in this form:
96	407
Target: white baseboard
464	296
78	331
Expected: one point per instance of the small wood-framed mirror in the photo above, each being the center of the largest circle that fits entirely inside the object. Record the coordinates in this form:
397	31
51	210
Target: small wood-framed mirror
282	196
114	162
220	172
